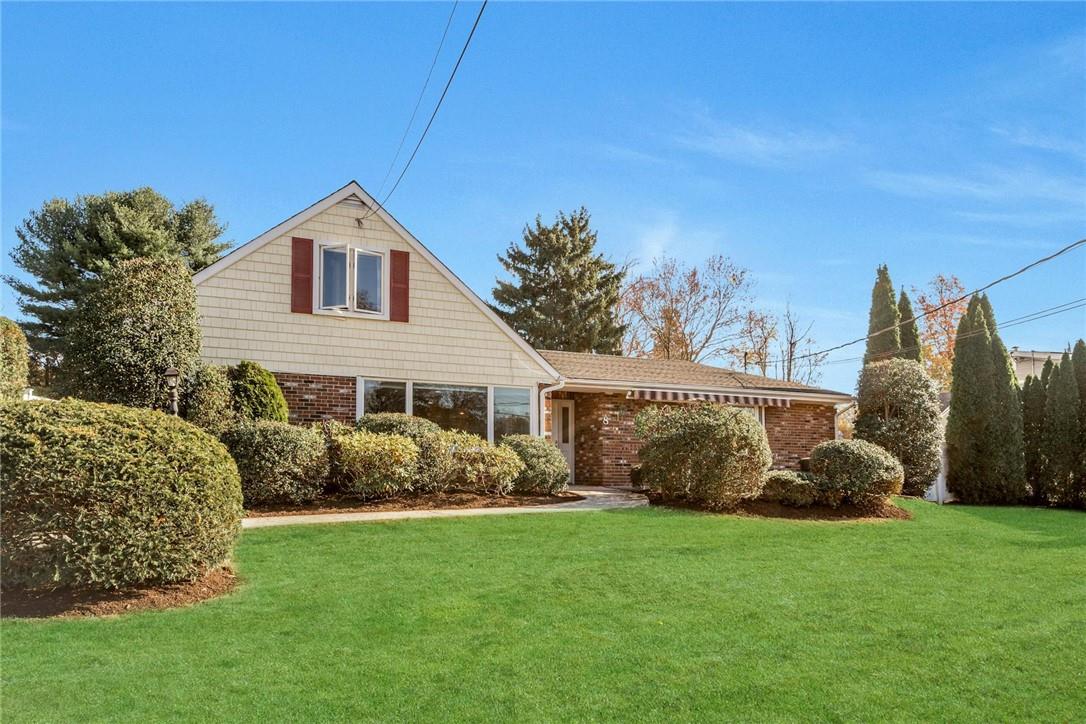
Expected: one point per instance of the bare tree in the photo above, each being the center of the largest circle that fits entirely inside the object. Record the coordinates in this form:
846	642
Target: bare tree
797	360
680	312
752	351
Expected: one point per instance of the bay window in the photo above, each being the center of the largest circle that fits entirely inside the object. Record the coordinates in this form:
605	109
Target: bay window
352	280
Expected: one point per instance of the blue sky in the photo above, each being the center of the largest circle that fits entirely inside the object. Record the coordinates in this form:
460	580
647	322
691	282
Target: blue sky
808	142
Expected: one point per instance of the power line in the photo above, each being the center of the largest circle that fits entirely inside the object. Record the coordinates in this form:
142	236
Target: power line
422	93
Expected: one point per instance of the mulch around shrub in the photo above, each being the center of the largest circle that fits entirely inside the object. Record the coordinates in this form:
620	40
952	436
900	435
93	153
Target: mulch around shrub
426	501
74	603
767	509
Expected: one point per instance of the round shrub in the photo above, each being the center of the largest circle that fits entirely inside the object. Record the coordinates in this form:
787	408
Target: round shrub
898	410
207	400
374	465
257	396
14	360
437	463
797	490
545	468
855	471
708	454
480	467
279	463
106	496
397	423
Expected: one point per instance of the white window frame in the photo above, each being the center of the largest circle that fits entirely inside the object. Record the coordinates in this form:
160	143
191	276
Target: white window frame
352	251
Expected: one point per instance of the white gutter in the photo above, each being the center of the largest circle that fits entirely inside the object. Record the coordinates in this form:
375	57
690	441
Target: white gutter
543	391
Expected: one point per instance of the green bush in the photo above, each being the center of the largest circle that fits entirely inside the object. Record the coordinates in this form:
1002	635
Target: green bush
855	471
279	463
374	465
898	410
480	467
107	496
14	360
545	468
397	423
138	322
797	490
257	395
711	455
207	400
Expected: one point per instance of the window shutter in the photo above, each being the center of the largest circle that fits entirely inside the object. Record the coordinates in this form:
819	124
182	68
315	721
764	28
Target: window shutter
398	277
301	276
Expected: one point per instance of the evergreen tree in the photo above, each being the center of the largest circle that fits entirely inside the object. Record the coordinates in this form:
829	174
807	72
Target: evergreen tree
1078	363
970	408
1005	444
884	315
1046	372
910	332
1033	415
564	295
1060	437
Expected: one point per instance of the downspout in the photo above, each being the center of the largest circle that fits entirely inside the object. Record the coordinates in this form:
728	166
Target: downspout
543	391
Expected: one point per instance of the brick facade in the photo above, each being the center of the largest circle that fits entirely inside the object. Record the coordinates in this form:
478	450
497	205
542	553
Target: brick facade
312	398
605	446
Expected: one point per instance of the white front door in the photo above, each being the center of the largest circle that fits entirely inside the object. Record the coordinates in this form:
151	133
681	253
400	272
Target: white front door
562	430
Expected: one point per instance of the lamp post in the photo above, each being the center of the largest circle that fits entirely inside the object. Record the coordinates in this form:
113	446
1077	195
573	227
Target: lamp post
172	377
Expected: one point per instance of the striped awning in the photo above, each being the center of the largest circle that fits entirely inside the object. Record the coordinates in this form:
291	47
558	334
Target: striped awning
723	399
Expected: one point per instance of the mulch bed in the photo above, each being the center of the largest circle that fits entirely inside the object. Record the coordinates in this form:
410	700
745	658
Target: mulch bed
766	509
427	501
74	603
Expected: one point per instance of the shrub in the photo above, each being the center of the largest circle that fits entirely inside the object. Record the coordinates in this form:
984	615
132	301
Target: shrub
138	322
855	471
257	395
712	455
397	423
787	487
207	400
898	410
437	463
374	465
480	467
279	463
545	468
14	360
109	496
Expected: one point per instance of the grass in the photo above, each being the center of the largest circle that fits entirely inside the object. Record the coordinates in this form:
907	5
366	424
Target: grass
960	614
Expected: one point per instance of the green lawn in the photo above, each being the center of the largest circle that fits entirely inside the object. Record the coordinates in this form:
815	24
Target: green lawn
960	614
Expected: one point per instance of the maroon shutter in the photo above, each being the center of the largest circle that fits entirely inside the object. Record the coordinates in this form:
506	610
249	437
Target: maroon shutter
400	261
301	275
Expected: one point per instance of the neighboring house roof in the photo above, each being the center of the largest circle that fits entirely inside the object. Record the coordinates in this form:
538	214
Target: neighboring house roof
353	189
578	367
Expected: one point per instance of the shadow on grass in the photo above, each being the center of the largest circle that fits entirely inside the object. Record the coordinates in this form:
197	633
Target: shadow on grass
1062	528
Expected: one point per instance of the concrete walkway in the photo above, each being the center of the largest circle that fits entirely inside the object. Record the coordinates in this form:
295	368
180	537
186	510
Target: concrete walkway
594	499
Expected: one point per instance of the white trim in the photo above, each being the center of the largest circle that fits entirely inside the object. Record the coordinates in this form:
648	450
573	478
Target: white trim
490	413
354	189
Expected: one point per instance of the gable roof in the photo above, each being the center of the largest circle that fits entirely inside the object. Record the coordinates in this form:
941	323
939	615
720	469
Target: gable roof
578	367
353	189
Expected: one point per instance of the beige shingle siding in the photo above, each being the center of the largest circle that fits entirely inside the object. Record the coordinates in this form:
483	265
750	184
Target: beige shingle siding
245	314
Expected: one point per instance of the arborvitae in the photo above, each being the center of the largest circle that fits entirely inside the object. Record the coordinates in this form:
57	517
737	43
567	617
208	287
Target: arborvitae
564	294
910	332
971	393
1007	460
884	316
1046	372
1078	362
1033	416
1060	437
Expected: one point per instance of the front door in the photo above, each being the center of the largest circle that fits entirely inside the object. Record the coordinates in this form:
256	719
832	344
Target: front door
562	430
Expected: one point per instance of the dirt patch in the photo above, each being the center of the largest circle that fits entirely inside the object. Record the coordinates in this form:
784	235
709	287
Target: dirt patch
427	501
74	603
766	509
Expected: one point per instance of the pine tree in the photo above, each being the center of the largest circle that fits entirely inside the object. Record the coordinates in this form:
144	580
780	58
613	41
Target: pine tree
970	408
1060	438
1005	444
884	315
564	294
910	332
1033	416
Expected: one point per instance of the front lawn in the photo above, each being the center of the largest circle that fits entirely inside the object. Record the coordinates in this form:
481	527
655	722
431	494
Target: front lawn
650	614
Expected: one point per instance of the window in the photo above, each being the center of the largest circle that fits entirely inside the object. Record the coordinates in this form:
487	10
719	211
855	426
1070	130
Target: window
381	396
453	407
352	280
512	412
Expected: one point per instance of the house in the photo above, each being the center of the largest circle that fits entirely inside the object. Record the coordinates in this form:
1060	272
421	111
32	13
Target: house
1031	362
354	315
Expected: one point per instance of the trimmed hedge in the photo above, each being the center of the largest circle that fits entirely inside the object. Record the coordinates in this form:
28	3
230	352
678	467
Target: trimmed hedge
257	396
374	465
14	360
99	495
855	471
480	467
545	468
397	423
278	463
797	490
207	400
711	455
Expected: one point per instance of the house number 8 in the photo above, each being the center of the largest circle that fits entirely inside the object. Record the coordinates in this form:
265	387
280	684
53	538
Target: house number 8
606	419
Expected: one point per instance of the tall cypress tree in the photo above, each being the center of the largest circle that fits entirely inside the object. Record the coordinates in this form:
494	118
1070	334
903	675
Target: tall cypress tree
1060	437
1078	363
884	315
910	332
971	393
565	293
1033	417
1005	444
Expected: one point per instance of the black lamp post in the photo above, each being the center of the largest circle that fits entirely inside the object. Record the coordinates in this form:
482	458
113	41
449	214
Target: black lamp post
172	377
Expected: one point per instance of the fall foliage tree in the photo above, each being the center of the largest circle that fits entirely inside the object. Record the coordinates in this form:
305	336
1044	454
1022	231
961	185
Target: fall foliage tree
941	316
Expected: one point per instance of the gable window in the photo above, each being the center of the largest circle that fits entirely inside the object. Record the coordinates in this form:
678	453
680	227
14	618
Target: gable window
352	279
